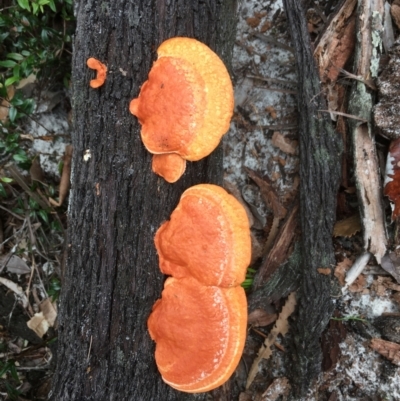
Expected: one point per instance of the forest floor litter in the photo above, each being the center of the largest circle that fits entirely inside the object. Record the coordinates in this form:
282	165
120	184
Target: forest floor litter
361	345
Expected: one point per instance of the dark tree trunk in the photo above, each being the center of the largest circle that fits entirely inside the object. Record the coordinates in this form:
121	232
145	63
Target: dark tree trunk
112	276
320	153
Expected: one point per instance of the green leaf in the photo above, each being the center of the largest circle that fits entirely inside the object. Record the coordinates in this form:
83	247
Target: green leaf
43	2
20	157
13	372
35	8
7	180
8	63
52	6
12	113
42	213
15	56
2	193
11	80
24	4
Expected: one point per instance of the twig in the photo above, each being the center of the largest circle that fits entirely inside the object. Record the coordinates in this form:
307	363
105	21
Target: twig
12	213
274	80
339	113
271	40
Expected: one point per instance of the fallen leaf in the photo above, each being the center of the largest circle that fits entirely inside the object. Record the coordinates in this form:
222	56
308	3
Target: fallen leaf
36	171
15	264
325	271
253	21
16	289
392	177
49	311
387	349
268	194
260	318
341	269
284	144
391	263
38	324
378	287
265	26
347	227
279	386
271	111
395	11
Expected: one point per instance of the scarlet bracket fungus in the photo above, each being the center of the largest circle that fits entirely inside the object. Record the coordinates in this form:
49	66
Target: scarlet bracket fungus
170	166
186	105
392	177
199	324
101	72
206	238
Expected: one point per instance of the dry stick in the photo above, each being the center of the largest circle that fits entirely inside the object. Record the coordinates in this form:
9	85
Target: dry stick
365	157
320	153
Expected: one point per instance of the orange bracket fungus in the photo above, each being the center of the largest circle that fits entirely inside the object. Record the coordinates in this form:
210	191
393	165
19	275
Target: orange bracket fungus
186	105
101	72
199	324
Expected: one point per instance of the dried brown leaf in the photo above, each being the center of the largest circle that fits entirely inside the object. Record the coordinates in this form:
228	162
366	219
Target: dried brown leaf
341	269
36	171
14	264
49	311
347	227
16	289
253	21
284	144
279	387
395	11
391	263
260	318
38	324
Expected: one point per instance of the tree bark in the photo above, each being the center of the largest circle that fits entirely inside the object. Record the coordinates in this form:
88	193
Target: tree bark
112	278
320	153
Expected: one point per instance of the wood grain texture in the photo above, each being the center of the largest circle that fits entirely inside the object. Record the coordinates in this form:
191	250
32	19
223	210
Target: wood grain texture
116	205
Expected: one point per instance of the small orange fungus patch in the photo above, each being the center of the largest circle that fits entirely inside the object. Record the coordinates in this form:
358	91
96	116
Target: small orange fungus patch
186	105
170	166
101	69
199	324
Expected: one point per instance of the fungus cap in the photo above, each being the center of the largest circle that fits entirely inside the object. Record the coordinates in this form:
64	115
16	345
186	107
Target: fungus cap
207	237
170	166
186	105
199	332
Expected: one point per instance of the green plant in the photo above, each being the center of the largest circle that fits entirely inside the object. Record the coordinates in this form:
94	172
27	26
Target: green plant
349	317
35	42
248	282
9	374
